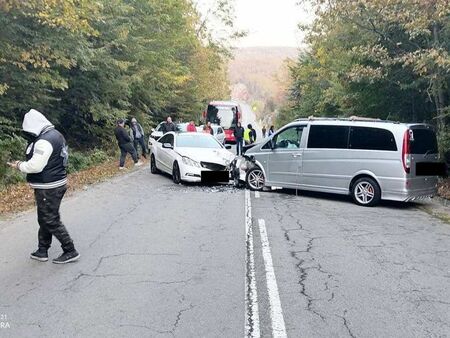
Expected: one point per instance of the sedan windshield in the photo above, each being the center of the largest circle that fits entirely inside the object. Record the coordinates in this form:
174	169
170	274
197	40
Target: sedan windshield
197	141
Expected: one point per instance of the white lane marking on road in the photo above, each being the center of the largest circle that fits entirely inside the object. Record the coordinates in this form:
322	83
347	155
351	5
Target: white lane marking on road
251	295
276	312
257	194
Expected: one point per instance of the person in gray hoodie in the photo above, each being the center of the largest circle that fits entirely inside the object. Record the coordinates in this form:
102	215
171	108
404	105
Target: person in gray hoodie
45	166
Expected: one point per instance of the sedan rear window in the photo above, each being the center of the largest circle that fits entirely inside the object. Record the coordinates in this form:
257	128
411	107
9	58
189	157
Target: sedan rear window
197	141
424	142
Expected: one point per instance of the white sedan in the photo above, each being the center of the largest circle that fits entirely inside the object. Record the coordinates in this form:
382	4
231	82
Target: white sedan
190	157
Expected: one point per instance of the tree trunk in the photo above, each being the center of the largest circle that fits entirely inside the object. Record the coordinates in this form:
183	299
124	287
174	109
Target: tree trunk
438	90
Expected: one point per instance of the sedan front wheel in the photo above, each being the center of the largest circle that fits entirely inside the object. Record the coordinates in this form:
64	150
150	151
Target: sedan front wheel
176	175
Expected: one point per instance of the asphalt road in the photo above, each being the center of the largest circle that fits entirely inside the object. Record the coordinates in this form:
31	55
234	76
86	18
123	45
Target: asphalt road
165	260
160	260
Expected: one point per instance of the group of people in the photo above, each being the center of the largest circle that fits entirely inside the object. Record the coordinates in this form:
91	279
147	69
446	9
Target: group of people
244	136
270	133
130	141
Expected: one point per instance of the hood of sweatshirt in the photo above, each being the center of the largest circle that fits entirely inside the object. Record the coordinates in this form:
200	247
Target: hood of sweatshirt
34	122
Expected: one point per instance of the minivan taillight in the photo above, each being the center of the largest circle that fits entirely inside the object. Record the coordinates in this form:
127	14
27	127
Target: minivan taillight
406	151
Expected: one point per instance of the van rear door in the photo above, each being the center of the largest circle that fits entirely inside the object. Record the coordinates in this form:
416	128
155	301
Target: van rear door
424	164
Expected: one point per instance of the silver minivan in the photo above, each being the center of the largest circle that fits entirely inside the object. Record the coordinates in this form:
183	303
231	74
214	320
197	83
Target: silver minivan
368	159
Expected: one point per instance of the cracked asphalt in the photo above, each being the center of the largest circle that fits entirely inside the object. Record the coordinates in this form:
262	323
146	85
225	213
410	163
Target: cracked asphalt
165	260
349	271
156	260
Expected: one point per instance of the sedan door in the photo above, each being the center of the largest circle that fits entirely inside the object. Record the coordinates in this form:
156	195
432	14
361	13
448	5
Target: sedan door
166	155
285	159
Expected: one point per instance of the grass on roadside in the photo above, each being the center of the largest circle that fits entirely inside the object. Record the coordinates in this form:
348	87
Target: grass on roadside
20	197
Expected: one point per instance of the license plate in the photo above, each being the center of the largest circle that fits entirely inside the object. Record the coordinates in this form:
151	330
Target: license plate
215	176
431	169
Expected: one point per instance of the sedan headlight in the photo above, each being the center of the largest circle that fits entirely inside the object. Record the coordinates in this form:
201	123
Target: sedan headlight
190	162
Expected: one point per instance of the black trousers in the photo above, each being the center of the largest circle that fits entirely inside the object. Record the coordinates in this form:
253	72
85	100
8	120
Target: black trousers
127	149
48	202
140	142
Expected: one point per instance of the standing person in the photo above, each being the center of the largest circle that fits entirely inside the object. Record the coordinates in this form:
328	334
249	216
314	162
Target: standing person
169	126
239	135
137	135
45	166
248	134
125	145
252	135
191	127
271	131
208	129
264	131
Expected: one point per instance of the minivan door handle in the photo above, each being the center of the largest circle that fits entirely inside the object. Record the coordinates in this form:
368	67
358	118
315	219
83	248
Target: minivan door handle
297	155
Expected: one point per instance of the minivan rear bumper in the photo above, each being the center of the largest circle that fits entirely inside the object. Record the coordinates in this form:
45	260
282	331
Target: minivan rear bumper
409	194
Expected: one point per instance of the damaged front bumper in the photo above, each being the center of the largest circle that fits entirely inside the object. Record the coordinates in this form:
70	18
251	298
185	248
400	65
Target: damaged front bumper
239	168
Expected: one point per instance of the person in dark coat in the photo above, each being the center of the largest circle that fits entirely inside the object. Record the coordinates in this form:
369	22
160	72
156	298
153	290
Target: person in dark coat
169	126
45	166
252	134
137	135
125	144
239	135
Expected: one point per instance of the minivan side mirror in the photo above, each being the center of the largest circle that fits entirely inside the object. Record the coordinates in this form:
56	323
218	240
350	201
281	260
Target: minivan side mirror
167	146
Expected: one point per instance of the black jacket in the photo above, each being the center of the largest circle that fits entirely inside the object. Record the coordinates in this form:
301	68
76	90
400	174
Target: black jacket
55	170
239	132
253	135
166	127
122	135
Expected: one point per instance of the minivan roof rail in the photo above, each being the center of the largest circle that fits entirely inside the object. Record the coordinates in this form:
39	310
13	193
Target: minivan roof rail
350	118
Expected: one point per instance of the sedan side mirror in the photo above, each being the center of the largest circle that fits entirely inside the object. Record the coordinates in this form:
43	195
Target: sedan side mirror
153	130
167	146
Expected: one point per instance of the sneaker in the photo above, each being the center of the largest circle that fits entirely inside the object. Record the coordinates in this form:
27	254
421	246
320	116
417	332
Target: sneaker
138	164
67	257
40	255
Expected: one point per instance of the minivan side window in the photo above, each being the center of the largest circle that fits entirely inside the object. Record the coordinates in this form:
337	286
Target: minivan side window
334	137
372	139
289	138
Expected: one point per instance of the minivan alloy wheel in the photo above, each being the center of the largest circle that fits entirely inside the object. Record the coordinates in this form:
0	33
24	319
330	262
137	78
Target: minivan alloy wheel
366	192
255	179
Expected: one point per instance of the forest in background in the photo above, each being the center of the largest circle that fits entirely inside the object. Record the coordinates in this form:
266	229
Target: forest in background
86	63
384	59
260	76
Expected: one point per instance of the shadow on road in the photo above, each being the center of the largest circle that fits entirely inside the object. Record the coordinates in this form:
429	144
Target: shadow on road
341	198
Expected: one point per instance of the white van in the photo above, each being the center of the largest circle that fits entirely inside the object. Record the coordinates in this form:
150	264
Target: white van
369	159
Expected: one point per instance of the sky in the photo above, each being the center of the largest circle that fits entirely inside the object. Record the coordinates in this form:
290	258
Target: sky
269	22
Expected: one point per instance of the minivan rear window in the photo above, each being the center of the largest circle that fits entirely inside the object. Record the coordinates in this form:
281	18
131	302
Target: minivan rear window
372	139
334	137
424	142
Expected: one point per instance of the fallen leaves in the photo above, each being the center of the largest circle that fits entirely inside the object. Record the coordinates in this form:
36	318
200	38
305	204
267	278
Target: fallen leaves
20	197
444	188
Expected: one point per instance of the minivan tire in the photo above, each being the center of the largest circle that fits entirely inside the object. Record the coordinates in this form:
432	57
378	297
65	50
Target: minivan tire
255	179
366	192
